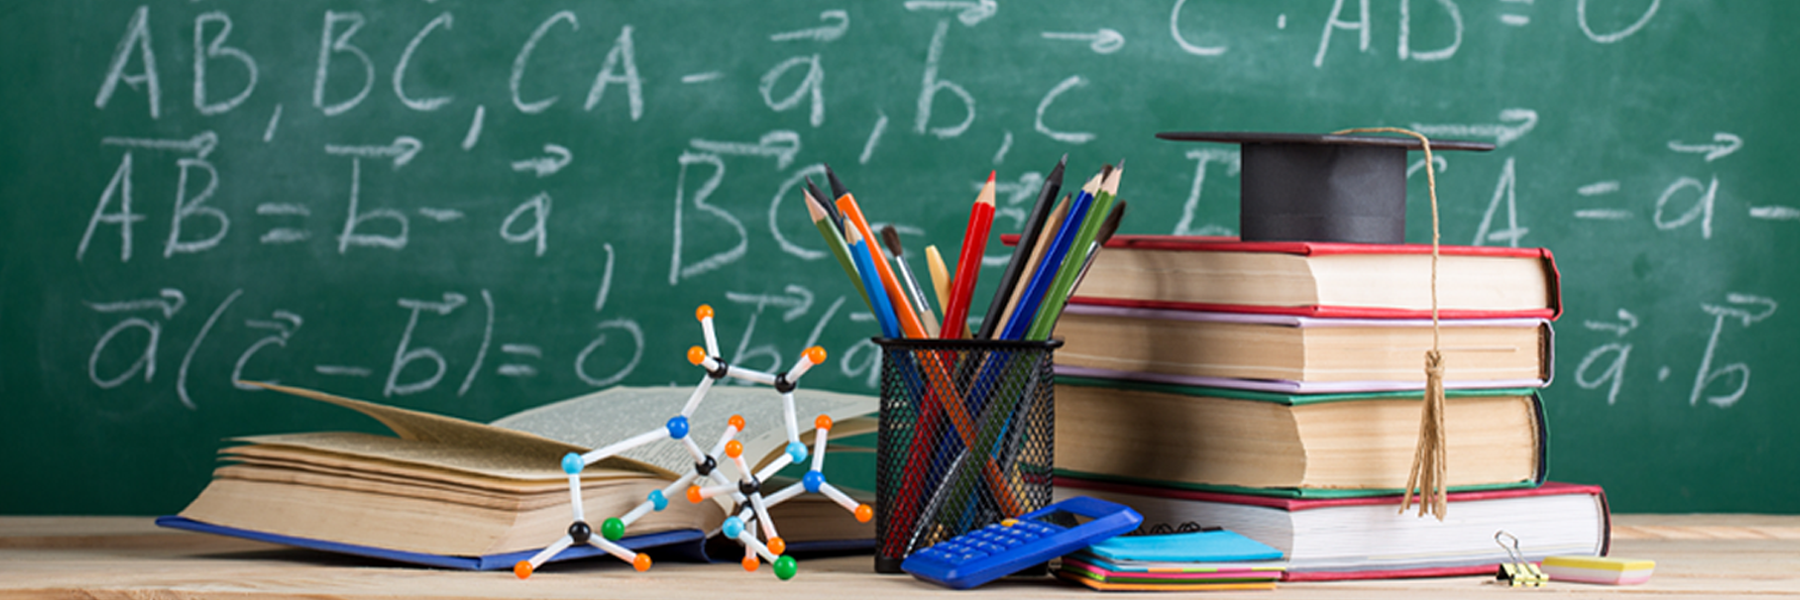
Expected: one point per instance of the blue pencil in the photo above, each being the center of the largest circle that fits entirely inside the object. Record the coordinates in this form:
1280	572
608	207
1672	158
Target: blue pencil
1026	310
878	300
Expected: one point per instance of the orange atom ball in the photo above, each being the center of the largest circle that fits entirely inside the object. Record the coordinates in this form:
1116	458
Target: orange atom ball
522	569
694	494
734	449
777	546
864	513
750	563
823	422
736	422
704	312
816	355
641	562
696	355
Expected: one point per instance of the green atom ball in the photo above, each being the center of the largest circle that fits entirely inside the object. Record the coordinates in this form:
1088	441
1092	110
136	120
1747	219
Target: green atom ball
613	529
786	567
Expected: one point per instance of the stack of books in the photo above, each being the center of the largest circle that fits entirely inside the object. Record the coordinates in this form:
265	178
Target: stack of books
1274	389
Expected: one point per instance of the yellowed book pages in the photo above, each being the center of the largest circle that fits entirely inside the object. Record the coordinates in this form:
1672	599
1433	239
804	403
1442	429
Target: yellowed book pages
1372	350
414	524
456	487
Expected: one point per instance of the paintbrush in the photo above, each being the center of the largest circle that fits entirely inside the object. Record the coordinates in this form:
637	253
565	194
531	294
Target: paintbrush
891	239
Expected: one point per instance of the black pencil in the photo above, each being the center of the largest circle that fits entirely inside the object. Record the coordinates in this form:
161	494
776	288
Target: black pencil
837	187
829	204
1022	251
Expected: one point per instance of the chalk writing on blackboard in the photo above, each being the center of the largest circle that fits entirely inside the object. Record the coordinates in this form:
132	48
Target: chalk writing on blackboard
1605	365
284	323
205	52
1581	17
444	20
1746	310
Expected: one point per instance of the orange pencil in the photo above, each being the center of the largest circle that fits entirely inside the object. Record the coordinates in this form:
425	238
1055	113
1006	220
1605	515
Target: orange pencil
853	216
968	264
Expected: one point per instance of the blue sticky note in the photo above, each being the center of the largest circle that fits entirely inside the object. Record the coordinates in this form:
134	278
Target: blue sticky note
1198	546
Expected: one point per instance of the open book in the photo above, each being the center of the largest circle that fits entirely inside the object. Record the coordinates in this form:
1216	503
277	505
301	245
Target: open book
455	493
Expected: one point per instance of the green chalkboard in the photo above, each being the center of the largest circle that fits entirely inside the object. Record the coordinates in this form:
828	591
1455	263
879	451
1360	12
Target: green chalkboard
477	207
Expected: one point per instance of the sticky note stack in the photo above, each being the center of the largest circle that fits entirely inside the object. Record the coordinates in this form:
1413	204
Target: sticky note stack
1194	561
1598	569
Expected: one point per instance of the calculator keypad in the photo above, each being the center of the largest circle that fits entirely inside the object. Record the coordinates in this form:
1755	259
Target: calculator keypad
993	539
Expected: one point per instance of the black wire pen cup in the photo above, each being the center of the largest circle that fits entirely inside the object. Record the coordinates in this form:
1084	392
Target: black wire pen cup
965	439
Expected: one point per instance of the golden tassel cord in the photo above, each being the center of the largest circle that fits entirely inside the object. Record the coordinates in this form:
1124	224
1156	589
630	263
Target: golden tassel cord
1430	470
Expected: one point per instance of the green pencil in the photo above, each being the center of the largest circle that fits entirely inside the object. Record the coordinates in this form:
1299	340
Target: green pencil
835	240
1064	284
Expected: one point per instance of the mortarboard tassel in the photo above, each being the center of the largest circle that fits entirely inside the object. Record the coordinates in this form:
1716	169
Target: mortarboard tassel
1430	470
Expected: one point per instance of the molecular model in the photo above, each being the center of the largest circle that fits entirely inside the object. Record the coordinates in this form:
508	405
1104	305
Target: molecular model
753	505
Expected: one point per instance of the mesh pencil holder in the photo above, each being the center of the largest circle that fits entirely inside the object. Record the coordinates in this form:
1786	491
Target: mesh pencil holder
965	439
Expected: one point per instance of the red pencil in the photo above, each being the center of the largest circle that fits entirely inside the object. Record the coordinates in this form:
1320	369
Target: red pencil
968	264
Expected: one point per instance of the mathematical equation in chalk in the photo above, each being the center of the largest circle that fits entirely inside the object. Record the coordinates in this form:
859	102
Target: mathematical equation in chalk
342	55
1685	203
610	349
1604	366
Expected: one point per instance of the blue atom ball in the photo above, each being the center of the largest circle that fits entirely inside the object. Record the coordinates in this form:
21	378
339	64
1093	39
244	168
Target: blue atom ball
572	463
796	451
733	527
658	500
678	427
813	481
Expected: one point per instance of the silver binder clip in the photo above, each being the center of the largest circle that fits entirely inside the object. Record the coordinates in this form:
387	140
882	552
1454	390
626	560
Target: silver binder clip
1518	572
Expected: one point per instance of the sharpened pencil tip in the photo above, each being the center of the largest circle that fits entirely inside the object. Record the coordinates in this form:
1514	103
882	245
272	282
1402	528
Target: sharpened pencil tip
837	186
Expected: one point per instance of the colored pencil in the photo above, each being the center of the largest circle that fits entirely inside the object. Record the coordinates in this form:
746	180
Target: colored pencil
835	240
878	300
1034	223
1107	229
891	239
1058	294
1026	310
940	275
837	219
896	297
1106	232
1051	226
968	264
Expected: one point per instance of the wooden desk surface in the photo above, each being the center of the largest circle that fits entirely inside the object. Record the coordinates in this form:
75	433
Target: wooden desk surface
1696	556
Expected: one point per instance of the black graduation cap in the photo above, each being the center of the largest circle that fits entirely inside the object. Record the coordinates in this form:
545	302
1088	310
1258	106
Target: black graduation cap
1322	188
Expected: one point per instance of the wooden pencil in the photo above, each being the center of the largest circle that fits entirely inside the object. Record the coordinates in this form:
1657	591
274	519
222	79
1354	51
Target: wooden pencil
1051	304
940	275
1009	279
1026	310
896	297
968	264
835	240
1051	224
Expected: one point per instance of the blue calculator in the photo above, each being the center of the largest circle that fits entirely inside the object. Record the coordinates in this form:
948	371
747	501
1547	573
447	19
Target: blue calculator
1004	548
